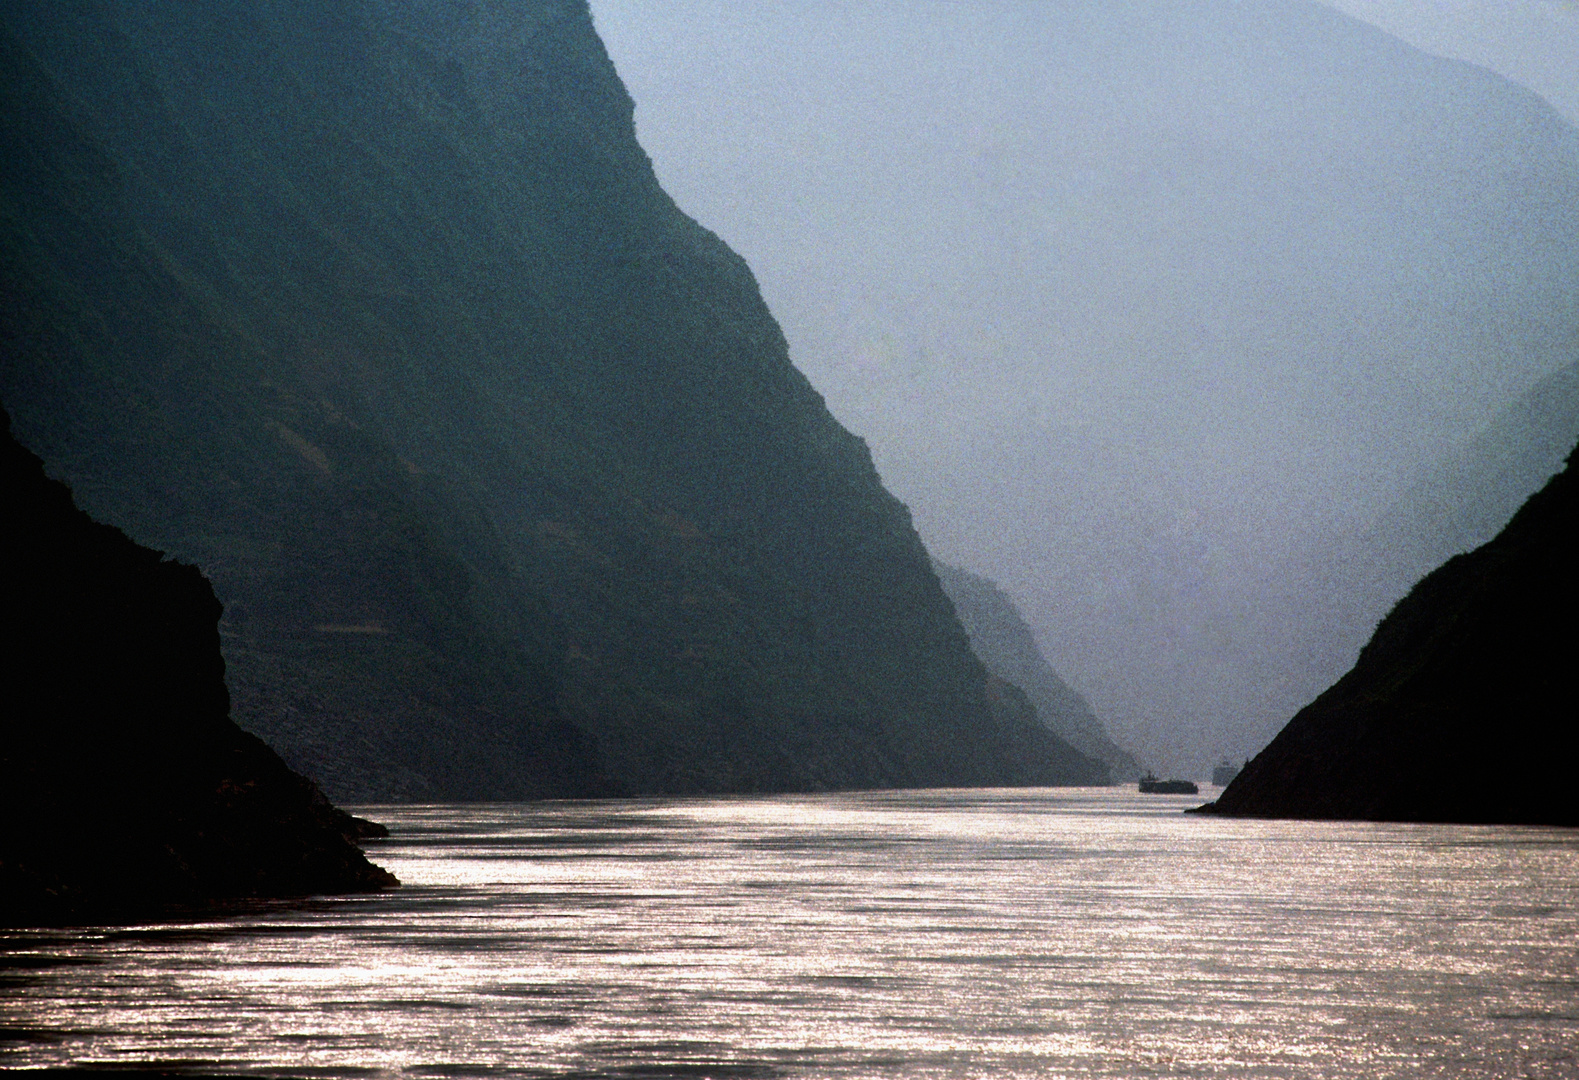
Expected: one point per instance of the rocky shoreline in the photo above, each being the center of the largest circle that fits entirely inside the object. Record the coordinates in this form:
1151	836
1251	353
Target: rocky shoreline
126	791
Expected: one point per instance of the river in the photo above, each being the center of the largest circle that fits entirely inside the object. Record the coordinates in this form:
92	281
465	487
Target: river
1034	933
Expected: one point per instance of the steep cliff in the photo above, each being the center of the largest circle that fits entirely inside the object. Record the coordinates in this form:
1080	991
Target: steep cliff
1463	705
1136	301
1306	616
124	787
1004	643
374	310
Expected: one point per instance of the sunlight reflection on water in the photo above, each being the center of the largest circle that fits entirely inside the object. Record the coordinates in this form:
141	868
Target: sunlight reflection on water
1041	933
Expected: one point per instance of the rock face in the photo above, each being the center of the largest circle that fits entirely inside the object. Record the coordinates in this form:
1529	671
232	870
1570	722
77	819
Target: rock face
1004	643
1463	705
125	789
375	310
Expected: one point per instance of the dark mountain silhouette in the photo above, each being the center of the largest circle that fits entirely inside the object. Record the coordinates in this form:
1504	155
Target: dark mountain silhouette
1004	643
1341	585
125	789
1462	706
1013	708
374	310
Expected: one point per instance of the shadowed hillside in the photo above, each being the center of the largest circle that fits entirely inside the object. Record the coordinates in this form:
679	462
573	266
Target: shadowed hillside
1462	707
124	787
375	311
999	636
1343	583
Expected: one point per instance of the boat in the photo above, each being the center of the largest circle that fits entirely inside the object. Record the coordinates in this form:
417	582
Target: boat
1150	785
1224	773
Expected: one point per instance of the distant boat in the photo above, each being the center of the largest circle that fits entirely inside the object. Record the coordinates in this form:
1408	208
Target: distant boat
1150	785
1224	774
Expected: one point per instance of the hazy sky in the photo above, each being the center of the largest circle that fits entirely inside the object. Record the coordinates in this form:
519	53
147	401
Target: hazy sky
1133	302
1533	42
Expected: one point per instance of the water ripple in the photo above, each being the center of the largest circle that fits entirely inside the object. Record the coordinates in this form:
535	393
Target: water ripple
1036	933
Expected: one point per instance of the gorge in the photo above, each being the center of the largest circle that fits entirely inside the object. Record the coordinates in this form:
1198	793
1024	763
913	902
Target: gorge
375	311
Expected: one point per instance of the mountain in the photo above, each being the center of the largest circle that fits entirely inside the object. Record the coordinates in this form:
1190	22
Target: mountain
375	310
1130	300
1465	499
1462	706
1342	583
1004	643
124	786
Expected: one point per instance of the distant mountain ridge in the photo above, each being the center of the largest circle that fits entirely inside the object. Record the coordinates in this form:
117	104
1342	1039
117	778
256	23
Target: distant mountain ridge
1344	584
1468	498
374	310
1464	705
1000	637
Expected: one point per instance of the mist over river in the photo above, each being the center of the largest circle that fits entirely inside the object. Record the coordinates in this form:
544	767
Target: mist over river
1045	933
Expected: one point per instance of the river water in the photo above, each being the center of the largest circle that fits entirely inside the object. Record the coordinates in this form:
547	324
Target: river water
1045	933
